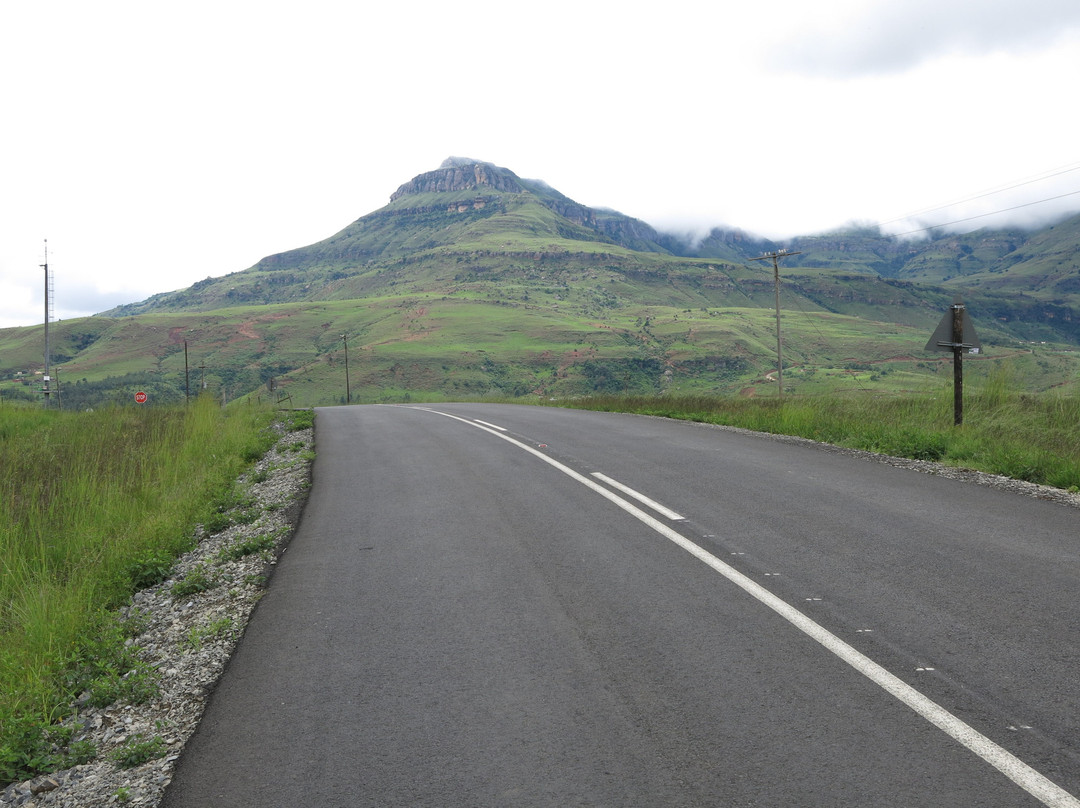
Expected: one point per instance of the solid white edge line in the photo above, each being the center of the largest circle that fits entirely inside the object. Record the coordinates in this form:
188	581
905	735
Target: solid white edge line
1036	784
493	426
644	500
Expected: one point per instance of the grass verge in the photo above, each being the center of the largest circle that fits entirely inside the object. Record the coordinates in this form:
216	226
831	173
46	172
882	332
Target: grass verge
94	506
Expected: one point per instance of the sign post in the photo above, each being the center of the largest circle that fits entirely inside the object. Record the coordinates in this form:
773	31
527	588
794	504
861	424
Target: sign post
140	397
955	333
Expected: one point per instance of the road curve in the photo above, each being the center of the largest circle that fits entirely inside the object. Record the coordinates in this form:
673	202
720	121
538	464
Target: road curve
490	605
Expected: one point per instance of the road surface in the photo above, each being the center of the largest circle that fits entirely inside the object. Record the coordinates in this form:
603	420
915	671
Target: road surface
492	605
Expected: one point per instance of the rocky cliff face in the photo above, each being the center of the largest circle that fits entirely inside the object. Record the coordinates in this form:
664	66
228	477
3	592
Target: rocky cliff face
458	174
454	175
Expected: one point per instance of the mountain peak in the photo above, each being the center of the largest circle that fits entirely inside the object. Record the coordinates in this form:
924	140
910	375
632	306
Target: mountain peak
461	174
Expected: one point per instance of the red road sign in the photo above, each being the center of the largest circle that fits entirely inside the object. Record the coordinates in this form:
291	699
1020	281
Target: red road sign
140	397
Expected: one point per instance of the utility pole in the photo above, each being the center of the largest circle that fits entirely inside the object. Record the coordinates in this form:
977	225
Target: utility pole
187	380
348	392
48	316
776	255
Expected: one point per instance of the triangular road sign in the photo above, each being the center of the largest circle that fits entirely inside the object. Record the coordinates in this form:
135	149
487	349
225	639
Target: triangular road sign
942	339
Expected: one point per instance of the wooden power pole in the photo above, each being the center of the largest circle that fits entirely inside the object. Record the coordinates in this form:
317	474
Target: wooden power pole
776	255
348	391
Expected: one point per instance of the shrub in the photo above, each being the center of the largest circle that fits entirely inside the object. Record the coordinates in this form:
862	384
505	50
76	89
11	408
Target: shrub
151	568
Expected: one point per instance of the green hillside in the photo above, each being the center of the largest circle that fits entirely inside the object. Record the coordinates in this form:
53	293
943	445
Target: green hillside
473	281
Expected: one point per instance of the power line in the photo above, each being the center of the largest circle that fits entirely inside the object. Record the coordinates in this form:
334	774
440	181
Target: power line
1045	175
984	215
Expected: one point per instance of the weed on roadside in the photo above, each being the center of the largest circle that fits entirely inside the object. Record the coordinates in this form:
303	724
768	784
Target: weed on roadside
249	546
301	419
109	669
200	634
29	747
149	569
198	579
139	749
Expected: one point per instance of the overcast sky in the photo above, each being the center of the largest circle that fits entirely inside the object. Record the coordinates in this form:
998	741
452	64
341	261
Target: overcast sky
156	144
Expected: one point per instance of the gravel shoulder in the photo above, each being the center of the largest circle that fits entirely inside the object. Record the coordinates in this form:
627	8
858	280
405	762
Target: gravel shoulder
187	640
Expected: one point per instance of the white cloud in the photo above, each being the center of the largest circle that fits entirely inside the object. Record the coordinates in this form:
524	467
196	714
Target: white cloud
896	35
16	303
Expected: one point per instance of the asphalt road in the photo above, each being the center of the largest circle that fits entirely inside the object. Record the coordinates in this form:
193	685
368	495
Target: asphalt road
469	616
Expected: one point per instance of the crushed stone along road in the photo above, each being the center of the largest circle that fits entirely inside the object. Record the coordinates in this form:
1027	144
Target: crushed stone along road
187	640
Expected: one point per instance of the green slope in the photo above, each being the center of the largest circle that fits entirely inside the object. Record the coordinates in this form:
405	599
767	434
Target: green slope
570	341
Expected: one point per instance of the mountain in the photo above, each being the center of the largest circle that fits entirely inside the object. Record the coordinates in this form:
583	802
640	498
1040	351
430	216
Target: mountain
473	280
464	209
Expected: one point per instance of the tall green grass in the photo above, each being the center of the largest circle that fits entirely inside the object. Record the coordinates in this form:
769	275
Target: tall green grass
93	505
1026	437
